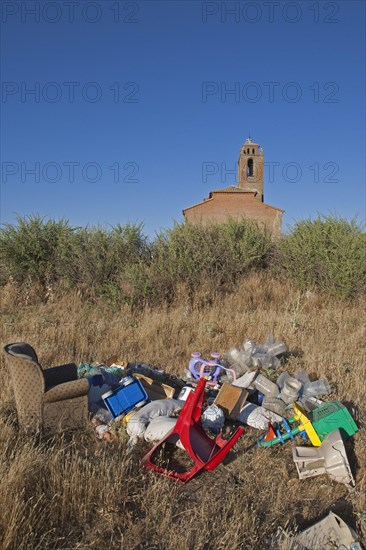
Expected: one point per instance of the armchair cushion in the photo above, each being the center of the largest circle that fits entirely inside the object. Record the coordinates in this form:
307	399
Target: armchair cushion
68	390
58	375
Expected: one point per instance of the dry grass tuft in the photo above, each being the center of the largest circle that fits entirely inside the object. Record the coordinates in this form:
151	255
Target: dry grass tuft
73	492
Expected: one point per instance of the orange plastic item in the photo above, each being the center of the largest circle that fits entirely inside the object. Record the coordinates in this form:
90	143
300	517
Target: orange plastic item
271	434
206	453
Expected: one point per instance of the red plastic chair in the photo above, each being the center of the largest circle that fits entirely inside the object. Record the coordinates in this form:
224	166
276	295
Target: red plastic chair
206	453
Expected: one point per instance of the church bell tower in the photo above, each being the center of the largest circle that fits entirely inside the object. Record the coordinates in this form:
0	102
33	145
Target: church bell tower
251	168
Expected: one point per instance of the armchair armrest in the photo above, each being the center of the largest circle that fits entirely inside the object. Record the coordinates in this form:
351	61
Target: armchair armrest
68	390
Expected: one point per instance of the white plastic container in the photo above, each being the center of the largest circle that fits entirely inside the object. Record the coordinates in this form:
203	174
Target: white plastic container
291	389
185	391
265	386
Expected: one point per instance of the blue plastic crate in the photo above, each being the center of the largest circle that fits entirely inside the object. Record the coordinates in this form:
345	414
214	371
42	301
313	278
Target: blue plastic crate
129	395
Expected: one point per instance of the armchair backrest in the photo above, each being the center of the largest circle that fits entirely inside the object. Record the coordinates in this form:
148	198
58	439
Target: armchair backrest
28	383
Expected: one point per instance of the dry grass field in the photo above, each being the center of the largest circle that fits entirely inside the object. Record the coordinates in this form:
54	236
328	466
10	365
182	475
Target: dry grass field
74	492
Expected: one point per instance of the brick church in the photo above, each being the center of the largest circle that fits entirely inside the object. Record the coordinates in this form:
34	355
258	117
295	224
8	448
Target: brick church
245	200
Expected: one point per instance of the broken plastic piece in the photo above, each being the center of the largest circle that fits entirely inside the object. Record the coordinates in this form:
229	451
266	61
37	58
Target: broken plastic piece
271	434
330	458
329	533
323	420
331	529
206	453
332	416
306	425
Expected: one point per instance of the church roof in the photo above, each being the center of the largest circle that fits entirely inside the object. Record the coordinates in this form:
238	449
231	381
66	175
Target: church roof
230	189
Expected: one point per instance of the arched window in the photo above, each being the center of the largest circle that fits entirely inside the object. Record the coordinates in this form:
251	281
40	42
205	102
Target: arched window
250	167
253	151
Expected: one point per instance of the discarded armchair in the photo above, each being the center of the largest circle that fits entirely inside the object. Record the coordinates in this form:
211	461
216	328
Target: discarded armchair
53	399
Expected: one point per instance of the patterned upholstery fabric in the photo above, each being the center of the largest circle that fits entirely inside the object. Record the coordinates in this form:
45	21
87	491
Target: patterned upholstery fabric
66	415
68	390
62	407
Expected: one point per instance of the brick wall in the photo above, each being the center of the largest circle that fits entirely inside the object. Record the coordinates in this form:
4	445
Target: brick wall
235	205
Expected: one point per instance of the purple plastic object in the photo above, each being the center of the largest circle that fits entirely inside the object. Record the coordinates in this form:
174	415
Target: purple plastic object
194	364
199	367
210	369
214	377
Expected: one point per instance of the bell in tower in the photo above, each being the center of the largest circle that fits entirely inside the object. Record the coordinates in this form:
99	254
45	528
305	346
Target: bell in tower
251	168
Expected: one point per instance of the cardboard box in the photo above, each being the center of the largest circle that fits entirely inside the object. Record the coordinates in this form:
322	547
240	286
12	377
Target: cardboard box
155	390
231	400
114	360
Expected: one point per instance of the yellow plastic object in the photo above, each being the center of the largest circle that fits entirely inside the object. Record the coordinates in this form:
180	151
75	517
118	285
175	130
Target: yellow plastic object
129	415
306	425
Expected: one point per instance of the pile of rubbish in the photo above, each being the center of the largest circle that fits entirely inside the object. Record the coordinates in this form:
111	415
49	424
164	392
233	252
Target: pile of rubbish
205	410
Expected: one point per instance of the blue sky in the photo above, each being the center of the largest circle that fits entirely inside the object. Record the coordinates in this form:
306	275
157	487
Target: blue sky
139	109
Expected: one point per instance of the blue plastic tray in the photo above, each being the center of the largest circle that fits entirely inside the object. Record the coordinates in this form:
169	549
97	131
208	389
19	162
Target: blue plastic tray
128	396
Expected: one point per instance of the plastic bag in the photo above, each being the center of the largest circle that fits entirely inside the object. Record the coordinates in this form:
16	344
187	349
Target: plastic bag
257	417
137	425
213	418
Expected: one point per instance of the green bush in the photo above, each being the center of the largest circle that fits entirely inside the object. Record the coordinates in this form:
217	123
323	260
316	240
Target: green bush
28	250
215	254
119	263
97	257
326	253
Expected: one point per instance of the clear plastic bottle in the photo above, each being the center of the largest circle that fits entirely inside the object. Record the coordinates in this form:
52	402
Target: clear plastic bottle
282	379
317	388
302	375
237	360
291	389
265	386
276	348
248	345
